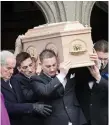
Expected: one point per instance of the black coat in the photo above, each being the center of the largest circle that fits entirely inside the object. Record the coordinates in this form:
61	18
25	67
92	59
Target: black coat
94	102
19	111
25	85
65	105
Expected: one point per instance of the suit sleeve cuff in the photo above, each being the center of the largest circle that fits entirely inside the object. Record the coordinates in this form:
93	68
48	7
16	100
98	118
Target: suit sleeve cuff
98	81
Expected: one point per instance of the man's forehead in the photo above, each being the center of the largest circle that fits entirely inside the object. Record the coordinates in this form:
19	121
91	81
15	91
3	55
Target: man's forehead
49	61
10	61
102	53
26	62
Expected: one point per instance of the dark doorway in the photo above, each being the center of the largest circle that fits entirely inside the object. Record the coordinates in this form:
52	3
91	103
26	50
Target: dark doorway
16	18
99	21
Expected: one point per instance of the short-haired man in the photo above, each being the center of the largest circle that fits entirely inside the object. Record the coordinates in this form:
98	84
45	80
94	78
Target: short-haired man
101	48
66	109
15	103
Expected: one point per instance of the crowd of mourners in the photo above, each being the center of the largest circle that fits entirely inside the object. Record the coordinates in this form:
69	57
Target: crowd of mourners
39	91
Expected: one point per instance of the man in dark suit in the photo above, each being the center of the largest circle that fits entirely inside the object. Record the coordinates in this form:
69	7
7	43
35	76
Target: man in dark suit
20	112
92	94
101	48
66	109
24	66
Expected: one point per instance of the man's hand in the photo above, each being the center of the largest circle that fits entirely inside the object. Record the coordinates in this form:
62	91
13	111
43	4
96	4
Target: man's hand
95	72
94	57
63	71
64	67
42	109
19	38
62	76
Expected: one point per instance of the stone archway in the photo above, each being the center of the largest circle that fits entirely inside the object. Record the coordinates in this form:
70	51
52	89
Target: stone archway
86	12
54	11
16	18
83	11
47	11
99	21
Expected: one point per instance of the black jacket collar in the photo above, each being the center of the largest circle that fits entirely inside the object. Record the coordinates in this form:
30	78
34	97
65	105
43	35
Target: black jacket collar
46	77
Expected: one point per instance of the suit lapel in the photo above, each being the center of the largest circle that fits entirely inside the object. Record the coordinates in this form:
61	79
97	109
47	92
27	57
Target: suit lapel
70	86
6	86
17	90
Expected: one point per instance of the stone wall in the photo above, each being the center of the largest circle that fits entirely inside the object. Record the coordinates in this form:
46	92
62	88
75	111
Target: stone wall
57	11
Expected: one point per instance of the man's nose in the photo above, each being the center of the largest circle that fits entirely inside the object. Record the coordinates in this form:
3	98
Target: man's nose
30	69
52	69
102	62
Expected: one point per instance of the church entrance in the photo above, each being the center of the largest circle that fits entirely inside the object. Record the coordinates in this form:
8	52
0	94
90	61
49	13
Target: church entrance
16	18
99	21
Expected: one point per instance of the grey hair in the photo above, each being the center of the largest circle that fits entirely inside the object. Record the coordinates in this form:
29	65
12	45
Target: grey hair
4	55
